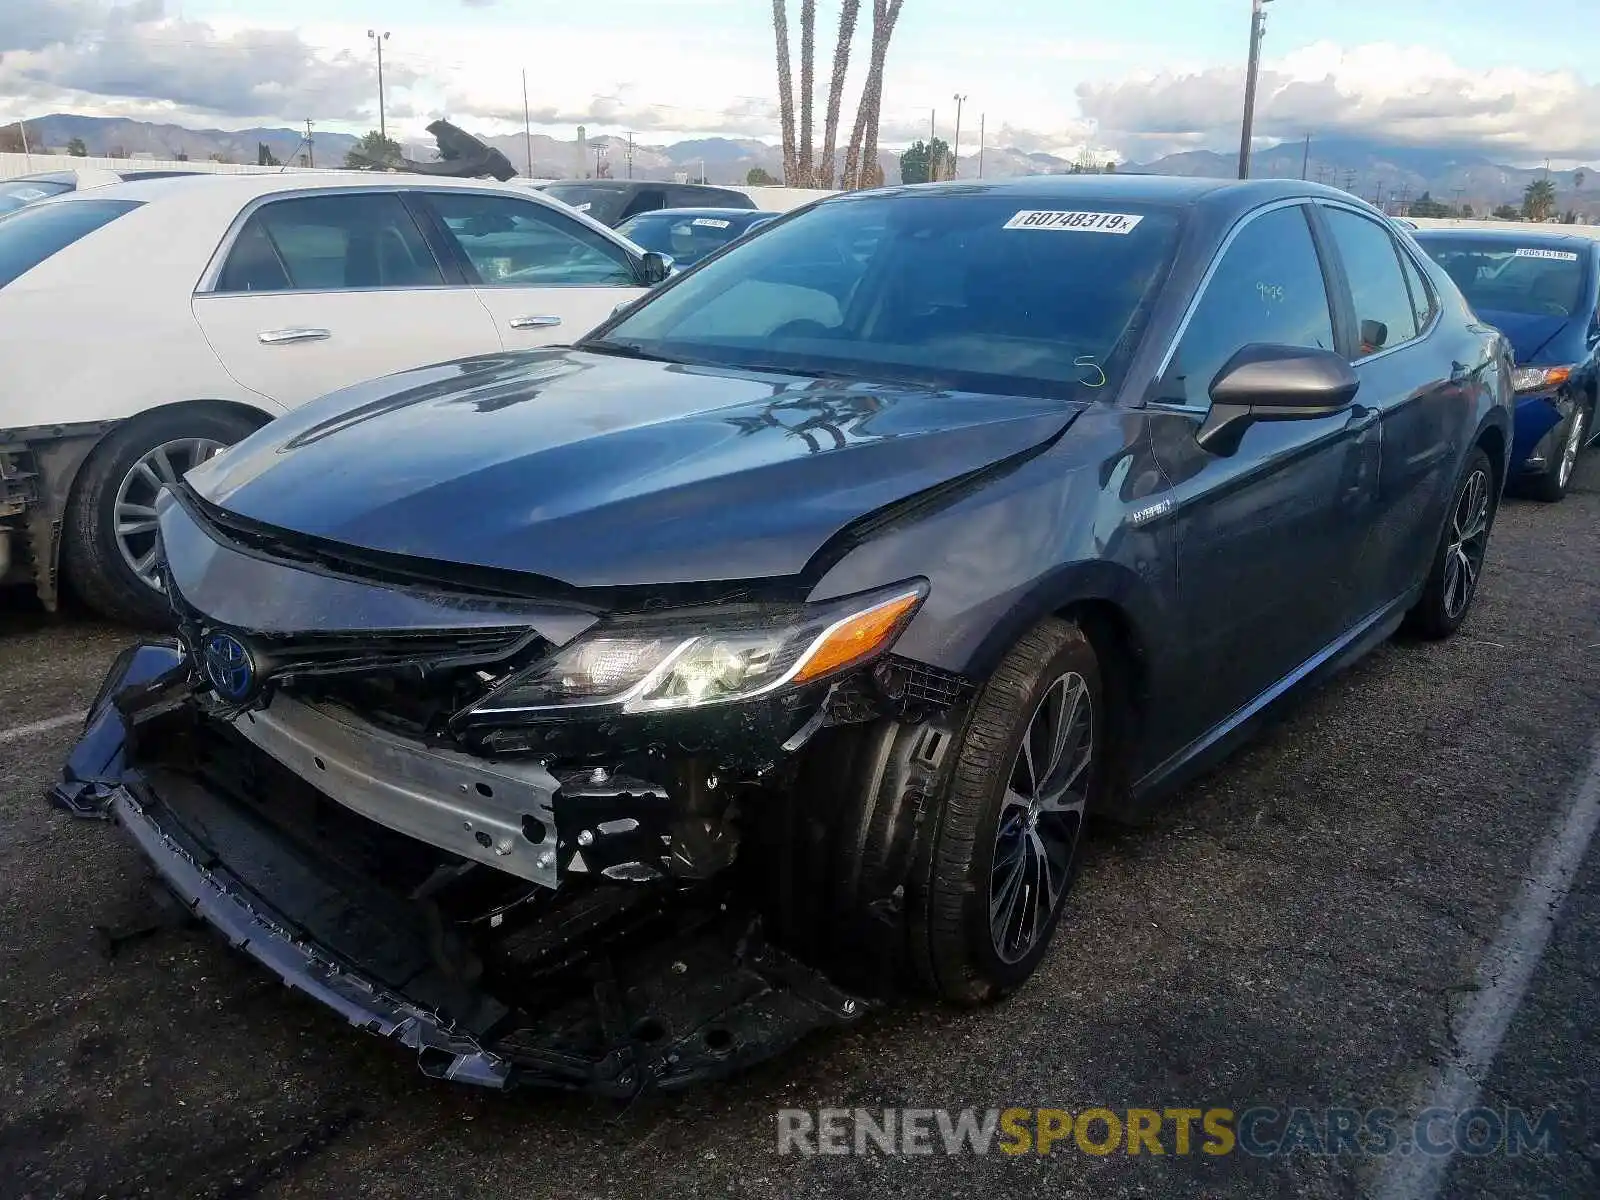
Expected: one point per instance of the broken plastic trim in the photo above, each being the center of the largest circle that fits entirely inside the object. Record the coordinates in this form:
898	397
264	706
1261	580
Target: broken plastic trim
441	1052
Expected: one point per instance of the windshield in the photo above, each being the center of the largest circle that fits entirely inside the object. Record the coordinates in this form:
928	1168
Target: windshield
18	192
602	203
1500	276
687	237
983	292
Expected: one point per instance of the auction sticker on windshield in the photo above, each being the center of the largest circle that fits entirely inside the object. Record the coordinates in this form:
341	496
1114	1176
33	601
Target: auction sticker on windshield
710	223
1074	222
1559	255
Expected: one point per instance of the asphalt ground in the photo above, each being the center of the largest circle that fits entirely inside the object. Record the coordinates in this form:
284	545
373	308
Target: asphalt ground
1305	928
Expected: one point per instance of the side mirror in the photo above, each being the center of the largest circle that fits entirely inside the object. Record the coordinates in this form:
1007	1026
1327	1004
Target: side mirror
656	267
1274	383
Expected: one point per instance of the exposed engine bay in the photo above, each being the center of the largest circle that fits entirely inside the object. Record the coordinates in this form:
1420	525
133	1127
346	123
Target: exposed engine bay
511	832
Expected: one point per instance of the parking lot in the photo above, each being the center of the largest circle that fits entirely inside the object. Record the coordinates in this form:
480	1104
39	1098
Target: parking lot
1303	928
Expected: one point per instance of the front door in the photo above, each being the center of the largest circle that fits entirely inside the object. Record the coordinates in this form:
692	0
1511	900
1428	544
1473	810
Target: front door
1267	536
545	278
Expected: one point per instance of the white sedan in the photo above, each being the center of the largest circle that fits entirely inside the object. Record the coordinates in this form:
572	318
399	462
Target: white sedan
146	326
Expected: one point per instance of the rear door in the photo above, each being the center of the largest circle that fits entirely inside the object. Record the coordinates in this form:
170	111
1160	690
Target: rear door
1421	387
317	292
545	278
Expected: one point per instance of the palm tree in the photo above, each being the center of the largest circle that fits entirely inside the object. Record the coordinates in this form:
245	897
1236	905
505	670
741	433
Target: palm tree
841	65
780	27
1539	200
808	28
864	140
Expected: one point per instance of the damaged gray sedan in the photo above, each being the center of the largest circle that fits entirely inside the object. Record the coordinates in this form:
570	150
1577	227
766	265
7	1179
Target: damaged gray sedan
610	717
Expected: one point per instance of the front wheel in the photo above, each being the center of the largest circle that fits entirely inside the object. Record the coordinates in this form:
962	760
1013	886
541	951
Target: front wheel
1551	487
111	545
1458	559
1009	825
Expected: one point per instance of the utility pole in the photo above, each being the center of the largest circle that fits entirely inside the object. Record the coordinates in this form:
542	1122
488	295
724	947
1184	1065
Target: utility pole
1305	161
27	155
1350	180
311	149
1258	27
379	39
981	117
630	154
955	151
933	128
527	135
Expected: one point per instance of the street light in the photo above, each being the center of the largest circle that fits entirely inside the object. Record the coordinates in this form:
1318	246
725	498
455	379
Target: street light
955	151
379	39
1258	27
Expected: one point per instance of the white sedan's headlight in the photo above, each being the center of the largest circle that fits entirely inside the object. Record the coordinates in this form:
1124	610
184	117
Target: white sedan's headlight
691	660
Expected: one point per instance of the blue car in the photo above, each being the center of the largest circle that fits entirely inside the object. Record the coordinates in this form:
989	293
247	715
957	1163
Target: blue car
1542	290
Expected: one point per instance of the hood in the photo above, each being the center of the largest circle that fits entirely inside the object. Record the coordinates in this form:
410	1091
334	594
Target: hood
1528	333
601	471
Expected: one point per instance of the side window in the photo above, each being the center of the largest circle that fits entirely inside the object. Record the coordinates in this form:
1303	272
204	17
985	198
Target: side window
328	243
645	200
517	243
1267	288
1422	301
1384	316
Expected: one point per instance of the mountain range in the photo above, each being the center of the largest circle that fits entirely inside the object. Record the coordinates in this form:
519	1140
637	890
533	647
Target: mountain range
1368	168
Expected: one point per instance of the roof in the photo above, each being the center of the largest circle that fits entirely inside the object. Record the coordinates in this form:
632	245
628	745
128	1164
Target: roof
1532	234
242	187
739	214
1174	190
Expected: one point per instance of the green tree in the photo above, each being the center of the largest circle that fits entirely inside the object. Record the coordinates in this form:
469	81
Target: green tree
1578	177
77	149
759	177
1539	200
265	157
1466	210
1506	212
915	161
1110	168
1426	206
373	150
11	139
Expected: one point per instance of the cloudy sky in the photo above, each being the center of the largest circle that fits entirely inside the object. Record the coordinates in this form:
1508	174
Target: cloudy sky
1135	77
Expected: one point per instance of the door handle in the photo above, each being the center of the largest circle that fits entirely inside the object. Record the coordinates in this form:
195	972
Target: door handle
282	337
535	322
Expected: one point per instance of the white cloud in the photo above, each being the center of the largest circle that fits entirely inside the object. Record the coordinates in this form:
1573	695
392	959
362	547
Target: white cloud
1400	95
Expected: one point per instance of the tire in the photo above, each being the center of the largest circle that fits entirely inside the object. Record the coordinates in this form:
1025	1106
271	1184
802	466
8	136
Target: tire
92	551
1443	606
955	951
1551	486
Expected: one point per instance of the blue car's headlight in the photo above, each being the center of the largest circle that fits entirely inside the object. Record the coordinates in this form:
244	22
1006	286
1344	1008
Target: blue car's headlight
691	660
1539	379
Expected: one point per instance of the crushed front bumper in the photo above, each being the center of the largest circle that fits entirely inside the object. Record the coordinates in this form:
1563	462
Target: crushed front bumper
682	987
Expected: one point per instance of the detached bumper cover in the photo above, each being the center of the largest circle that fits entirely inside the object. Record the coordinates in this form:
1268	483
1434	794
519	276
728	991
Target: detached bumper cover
442	1053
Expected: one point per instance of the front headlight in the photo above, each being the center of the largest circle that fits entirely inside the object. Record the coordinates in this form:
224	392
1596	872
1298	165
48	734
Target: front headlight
1539	379
689	661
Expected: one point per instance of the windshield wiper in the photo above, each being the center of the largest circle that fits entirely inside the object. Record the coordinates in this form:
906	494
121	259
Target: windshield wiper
623	350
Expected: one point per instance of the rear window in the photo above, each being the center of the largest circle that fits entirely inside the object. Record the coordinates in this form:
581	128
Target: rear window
31	235
602	203
1533	279
21	192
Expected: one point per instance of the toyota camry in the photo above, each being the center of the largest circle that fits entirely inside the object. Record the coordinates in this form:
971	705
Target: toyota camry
609	716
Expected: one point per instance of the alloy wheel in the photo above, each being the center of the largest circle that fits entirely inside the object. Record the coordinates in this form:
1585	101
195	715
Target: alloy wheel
1569	452
1041	818
135	528
1468	542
